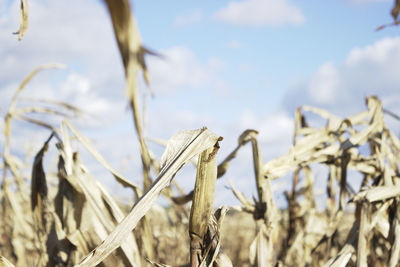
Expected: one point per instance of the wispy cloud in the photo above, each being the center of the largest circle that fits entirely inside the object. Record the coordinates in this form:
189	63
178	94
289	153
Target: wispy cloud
369	70
182	69
185	20
261	13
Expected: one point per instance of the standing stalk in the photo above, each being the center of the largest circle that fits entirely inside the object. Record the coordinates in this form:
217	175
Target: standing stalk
132	53
265	208
200	212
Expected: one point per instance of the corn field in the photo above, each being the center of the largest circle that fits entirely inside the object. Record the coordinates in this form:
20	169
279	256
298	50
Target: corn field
69	218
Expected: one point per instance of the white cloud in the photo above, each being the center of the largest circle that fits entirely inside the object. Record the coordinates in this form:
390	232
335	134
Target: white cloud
76	83
182	68
260	13
69	33
78	89
185	20
341	88
324	83
275	128
378	53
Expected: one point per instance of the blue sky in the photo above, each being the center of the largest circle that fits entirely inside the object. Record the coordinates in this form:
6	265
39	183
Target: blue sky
228	65
268	59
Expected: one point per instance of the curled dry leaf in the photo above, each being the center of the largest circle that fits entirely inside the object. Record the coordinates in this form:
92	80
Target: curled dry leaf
180	149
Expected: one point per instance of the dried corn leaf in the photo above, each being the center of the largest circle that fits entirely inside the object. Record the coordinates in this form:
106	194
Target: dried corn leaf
9	163
333	121
20	111
100	215
132	53
344	255
123	181
28	78
180	149
341	260
107	213
222	167
5	263
38	184
396	10
243	139
258	249
21	226
65	105
126	33
24	20
378	193
223	261
158	264
246	204
395	250
39	201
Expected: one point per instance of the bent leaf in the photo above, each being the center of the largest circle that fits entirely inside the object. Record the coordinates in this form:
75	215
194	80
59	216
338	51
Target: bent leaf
180	149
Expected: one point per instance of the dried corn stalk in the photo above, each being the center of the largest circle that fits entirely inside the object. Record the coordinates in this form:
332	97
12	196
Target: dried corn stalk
309	232
132	53
202	206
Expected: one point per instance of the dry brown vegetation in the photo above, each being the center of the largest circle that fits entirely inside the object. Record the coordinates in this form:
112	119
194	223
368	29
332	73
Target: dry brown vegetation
70	219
